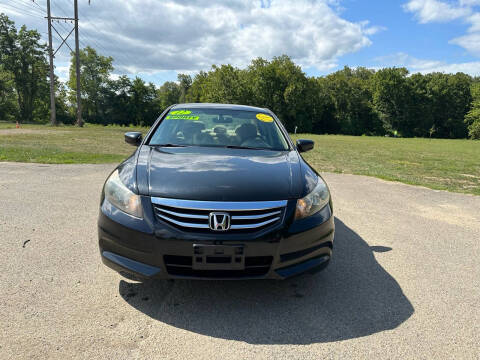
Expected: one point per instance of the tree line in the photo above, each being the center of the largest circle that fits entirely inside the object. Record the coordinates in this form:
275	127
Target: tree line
359	101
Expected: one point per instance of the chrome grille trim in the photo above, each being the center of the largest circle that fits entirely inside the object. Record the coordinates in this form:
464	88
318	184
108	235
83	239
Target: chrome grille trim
219	205
252	217
191	214
253	226
184	224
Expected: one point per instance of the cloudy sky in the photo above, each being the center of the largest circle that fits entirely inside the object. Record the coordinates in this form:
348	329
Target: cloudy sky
156	39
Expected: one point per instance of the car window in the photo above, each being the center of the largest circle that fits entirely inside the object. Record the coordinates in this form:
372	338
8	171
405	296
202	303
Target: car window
219	127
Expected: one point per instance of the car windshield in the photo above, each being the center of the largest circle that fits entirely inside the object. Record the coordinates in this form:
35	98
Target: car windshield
220	128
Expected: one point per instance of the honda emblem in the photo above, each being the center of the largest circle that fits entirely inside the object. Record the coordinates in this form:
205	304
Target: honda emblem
219	221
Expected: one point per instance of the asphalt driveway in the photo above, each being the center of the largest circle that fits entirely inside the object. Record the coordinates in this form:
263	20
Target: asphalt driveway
404	282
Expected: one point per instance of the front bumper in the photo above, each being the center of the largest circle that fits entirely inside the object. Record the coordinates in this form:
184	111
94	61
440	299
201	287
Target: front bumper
151	249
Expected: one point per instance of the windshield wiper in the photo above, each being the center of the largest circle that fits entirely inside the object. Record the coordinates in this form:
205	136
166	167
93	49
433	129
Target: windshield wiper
245	147
169	145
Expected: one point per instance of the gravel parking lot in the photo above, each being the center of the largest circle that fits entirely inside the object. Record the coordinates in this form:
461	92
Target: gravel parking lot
404	282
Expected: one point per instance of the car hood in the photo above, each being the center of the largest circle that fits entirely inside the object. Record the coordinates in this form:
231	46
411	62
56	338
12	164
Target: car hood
219	174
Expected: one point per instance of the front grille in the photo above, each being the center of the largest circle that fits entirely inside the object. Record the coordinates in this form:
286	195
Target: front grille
195	215
182	266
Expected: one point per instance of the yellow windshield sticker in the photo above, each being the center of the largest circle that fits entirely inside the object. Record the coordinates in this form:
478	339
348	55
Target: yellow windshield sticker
264	118
180	112
182	117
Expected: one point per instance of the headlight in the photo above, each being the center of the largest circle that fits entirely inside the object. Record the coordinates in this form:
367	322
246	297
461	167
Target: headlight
313	202
121	197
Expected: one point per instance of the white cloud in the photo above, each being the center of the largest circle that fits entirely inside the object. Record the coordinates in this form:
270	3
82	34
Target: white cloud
426	66
474	21
470	42
150	36
62	72
427	11
437	11
469	2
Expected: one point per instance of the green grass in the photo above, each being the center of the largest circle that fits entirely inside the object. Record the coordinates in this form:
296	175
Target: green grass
91	144
452	165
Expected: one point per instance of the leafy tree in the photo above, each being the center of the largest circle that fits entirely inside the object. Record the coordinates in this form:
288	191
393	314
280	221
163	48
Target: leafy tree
143	100
95	71
168	94
185	82
23	56
225	84
116	101
65	113
323	106
450	98
391	99
460	99
198	88
281	86
351	96
472	119
421	117
8	102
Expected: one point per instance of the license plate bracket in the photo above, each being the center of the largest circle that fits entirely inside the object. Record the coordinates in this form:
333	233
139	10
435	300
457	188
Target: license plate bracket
218	257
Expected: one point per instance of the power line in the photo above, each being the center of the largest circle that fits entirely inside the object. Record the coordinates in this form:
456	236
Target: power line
120	59
51	54
100	46
32	8
62	25
43	9
32	2
22	11
27	7
57	4
125	56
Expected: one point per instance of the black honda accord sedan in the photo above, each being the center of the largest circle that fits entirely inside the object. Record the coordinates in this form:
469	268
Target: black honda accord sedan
215	191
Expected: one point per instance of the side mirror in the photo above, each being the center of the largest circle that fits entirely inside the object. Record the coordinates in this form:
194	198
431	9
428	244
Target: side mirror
304	145
133	138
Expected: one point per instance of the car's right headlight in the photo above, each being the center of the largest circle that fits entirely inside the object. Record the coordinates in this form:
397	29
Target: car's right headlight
313	202
121	197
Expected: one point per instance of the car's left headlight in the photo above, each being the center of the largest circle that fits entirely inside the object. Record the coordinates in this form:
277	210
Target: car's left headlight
313	202
121	197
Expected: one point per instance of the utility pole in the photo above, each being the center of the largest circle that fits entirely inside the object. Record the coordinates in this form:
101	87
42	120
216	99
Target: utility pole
77	63
51	19
53	113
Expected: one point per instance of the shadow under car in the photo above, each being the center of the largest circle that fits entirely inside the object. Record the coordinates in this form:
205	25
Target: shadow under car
353	297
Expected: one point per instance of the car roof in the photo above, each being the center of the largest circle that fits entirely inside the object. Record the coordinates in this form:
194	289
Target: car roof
219	106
